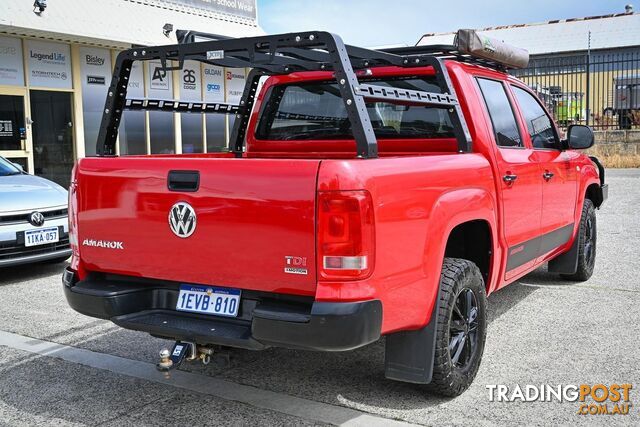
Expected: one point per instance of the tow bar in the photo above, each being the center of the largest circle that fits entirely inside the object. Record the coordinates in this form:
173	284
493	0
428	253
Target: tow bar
183	351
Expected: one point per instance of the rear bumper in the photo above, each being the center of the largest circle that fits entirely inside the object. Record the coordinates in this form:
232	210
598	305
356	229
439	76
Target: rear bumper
262	322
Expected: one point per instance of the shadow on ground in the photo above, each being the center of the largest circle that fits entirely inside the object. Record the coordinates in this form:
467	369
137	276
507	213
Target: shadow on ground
355	379
28	272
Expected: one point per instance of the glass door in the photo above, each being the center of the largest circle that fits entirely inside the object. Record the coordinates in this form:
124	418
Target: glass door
15	140
51	112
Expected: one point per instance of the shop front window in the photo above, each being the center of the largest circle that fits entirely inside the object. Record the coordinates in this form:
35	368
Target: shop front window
12	124
95	72
191	90
132	134
213	88
132	130
52	135
216	135
160	86
161	132
235	82
11	64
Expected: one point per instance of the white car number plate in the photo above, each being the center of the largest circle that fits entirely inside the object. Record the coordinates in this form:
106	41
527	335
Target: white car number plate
41	237
208	300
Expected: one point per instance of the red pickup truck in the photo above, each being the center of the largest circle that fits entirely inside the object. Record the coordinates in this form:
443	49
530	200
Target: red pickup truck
366	193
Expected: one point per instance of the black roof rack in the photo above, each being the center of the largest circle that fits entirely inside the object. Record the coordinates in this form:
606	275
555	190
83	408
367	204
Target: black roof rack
447	51
283	54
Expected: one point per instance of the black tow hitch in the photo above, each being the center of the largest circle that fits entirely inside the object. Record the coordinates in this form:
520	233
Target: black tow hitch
183	351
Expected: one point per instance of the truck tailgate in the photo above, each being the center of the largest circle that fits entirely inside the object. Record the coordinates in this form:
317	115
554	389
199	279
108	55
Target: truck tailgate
251	216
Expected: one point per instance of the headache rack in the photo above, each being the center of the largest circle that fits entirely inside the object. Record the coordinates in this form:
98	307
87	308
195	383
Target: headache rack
285	54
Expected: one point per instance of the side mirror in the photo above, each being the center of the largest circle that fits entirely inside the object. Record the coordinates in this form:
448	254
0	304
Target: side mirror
580	137
19	166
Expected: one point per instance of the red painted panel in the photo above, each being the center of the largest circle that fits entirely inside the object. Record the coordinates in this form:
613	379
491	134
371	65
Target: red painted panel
251	214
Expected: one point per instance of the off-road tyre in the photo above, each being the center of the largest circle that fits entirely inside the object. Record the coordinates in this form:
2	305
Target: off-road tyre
587	235
458	277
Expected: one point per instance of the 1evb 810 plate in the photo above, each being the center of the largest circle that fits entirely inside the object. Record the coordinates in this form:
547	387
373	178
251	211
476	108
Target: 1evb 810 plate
208	300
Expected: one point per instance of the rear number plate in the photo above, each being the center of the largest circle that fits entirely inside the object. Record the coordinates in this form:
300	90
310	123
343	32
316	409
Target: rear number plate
207	300
41	237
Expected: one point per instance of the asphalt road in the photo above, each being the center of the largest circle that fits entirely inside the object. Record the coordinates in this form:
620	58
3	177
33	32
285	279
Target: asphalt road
58	367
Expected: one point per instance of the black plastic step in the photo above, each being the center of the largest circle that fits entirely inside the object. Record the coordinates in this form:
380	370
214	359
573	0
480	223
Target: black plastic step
185	327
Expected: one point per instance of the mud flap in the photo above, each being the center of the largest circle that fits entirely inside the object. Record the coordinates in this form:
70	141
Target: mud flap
567	263
409	355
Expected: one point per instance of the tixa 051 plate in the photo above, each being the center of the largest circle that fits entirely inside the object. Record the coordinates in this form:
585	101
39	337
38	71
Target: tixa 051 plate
209	300
41	237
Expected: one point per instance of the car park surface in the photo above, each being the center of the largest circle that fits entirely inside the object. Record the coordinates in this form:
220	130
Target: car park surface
541	330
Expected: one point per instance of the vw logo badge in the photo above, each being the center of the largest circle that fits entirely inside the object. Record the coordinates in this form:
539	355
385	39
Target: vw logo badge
36	219
182	219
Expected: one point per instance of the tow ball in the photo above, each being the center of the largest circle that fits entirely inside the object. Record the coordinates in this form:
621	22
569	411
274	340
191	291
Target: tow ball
182	351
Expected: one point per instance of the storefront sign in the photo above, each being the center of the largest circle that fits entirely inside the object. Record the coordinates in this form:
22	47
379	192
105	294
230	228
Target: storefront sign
191	81
49	64
235	80
96	80
243	8
6	128
136	87
213	83
159	79
11	69
95	69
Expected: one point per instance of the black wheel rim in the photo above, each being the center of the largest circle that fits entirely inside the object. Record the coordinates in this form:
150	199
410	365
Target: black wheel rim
589	241
463	328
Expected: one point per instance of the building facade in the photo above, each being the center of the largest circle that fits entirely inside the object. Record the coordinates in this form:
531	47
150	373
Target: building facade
56	64
586	70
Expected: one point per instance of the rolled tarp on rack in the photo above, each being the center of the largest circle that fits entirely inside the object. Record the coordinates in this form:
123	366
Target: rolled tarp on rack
475	44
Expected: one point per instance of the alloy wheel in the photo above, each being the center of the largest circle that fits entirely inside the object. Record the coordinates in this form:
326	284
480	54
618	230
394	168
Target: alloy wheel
463	328
589	240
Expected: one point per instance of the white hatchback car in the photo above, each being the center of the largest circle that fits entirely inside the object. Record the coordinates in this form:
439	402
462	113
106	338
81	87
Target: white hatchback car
34	223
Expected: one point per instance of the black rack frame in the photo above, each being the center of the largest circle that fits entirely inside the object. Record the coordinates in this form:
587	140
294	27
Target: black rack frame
285	54
448	51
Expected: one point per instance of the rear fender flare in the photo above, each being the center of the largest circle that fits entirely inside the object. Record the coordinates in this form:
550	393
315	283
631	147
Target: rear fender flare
450	210
409	355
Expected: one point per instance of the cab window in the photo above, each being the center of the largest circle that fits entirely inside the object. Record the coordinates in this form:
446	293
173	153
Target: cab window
315	110
503	119
539	124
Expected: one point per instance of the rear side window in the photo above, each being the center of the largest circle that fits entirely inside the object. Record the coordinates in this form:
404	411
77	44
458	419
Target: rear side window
539	124
503	119
316	111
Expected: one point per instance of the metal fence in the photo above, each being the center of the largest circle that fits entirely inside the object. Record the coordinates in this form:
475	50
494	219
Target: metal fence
601	90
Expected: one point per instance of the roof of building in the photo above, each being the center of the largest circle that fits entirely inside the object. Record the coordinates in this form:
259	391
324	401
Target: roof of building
566	35
119	23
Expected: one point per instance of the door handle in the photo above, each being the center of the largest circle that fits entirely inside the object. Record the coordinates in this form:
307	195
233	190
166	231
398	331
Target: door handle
183	181
547	175
509	179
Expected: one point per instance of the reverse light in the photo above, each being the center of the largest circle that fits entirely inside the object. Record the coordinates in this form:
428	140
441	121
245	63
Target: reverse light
73	223
346	235
345	262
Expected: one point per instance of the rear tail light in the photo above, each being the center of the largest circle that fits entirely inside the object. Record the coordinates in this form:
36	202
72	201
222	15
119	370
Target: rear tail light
73	223
346	235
